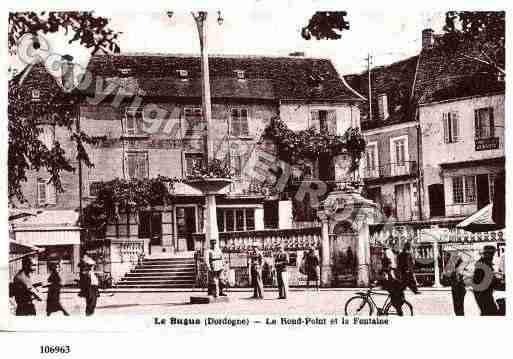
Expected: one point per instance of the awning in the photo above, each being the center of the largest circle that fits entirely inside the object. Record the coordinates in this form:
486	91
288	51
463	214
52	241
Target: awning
19	249
15	213
481	221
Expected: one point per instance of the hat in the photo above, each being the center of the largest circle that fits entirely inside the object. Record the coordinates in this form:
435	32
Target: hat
213	240
88	260
488	249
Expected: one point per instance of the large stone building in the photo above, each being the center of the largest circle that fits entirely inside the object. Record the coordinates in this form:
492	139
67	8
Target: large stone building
144	110
435	132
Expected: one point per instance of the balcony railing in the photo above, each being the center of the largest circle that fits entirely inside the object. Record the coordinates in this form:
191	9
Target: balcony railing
405	168
268	239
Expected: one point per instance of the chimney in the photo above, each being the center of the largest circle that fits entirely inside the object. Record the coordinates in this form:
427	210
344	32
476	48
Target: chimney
297	54
428	39
68	81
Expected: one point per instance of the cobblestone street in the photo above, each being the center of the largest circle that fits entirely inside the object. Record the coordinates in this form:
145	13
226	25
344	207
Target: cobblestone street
327	301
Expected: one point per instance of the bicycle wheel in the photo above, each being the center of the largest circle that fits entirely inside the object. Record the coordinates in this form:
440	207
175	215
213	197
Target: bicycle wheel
406	307
358	305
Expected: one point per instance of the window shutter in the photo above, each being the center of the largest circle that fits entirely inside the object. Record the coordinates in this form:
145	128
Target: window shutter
332	122
235	123
476	124
142	166
41	192
492	123
51	193
244	122
455	127
131	164
445	121
314	119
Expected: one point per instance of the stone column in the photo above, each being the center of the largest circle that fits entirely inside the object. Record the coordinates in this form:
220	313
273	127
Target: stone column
437	283
325	252
259	218
362	251
211	231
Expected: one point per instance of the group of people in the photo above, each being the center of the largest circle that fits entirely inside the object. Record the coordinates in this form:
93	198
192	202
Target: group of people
311	265
460	274
25	291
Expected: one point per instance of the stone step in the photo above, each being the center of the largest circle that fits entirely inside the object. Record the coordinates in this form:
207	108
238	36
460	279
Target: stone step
157	280
137	276
154	286
168	260
160	270
163	266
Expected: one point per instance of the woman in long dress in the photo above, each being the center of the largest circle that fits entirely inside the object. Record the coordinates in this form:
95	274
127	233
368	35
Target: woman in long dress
55	283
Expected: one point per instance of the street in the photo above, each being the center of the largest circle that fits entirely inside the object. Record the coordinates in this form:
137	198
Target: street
326	301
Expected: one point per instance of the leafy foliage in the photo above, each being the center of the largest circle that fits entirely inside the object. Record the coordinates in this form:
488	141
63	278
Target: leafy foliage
482	29
92	31
121	195
326	25
26	151
311	143
215	169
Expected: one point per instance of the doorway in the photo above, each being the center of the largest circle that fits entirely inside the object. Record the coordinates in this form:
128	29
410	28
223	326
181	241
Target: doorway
483	190
186	225
436	200
150	226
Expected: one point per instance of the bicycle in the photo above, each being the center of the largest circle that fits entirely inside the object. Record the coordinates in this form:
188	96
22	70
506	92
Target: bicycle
362	304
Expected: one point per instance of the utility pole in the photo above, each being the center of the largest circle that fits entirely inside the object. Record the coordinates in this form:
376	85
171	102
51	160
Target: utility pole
369	59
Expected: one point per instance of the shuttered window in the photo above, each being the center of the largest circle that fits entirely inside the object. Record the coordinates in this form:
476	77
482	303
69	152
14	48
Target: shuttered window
239	122
451	127
133	121
464	189
46	192
137	165
325	121
484	122
194	124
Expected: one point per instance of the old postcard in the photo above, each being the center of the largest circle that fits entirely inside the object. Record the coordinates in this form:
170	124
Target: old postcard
254	168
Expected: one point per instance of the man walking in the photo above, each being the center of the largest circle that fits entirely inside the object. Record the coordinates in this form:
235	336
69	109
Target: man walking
88	284
391	283
281	262
453	276
484	282
24	292
405	267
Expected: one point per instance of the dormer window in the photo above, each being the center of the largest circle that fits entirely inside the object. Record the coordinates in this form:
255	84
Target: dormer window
241	75
183	74
383	106
36	95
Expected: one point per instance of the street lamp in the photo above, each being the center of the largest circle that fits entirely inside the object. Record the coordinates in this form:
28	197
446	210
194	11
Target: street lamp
209	187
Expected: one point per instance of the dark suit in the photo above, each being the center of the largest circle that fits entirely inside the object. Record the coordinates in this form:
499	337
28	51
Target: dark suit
483	287
405	268
89	291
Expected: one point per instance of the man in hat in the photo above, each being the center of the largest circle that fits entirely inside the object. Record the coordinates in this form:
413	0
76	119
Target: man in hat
24	292
405	268
484	281
281	262
88	284
215	268
256	273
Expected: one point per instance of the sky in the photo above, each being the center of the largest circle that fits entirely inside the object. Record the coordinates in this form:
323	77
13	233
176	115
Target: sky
387	36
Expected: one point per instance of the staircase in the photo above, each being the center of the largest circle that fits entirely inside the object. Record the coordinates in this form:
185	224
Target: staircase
161	273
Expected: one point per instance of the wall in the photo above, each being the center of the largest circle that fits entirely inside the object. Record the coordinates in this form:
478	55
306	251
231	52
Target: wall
435	151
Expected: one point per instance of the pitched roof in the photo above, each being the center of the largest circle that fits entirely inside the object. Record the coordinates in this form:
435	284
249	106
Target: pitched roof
396	81
445	76
273	78
433	75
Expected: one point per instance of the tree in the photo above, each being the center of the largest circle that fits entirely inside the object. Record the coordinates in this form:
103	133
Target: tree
92	31
26	151
326	25
483	30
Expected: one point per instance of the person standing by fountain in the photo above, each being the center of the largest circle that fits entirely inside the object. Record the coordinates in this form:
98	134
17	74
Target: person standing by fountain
215	269
256	273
